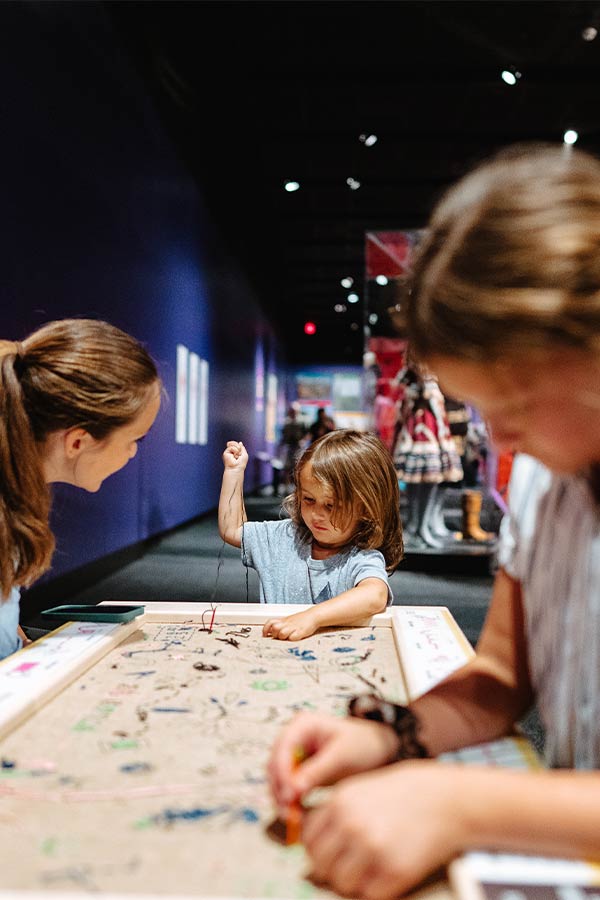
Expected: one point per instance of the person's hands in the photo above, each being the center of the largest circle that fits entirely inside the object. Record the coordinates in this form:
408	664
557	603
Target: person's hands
378	835
333	748
235	456
292	628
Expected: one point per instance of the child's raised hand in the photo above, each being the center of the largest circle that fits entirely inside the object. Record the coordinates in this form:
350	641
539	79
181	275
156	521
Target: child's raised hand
291	628
235	456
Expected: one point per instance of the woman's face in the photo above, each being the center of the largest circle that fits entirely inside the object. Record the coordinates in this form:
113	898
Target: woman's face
547	406
105	457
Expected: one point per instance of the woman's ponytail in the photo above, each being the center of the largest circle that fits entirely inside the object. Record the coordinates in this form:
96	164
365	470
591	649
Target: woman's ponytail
26	542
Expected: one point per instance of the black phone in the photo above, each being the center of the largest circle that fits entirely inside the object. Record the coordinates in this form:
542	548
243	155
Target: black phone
73	612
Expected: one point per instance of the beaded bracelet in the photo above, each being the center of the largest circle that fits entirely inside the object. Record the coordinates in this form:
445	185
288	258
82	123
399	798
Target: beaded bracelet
400	718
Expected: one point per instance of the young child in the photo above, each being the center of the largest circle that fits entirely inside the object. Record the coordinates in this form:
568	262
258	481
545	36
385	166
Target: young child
75	398
342	538
505	309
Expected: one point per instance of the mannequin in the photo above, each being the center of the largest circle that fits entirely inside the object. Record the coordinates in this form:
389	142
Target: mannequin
425	456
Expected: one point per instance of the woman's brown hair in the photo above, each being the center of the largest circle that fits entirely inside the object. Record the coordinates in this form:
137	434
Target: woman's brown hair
511	261
69	373
359	471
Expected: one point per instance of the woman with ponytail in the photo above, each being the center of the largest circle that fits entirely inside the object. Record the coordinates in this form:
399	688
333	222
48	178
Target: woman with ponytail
75	398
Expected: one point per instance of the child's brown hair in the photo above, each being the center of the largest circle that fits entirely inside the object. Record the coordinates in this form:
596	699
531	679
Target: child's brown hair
511	262
360	473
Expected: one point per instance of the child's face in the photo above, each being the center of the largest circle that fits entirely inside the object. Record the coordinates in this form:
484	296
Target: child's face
316	507
548	407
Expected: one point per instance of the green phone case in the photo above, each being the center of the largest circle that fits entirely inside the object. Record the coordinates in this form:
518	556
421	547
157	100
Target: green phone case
83	613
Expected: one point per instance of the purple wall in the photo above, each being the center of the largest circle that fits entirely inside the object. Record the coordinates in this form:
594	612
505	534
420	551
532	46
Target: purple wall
101	219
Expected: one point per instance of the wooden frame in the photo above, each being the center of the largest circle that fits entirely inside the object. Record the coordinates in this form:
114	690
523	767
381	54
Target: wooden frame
68	665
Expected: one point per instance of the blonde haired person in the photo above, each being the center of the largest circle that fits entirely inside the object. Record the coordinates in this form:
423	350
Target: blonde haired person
342	536
505	309
75	398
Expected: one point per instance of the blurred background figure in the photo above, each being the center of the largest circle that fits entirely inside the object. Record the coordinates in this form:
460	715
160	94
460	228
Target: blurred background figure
323	424
290	443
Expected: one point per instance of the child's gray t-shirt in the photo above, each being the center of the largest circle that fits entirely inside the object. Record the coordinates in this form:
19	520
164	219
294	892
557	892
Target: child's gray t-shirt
282	557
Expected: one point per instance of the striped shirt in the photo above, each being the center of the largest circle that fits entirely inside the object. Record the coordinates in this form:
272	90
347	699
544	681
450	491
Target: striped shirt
550	542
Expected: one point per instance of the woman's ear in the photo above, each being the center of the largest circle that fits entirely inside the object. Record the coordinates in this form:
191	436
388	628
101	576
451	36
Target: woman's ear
75	440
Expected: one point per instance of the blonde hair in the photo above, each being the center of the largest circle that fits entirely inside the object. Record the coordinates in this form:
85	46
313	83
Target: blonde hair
73	372
511	262
359	471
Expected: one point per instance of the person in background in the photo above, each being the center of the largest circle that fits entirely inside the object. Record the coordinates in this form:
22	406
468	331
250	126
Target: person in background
76	397
342	538
505	309
323	424
292	433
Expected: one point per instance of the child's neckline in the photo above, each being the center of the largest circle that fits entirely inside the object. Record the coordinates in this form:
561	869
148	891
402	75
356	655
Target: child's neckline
329	549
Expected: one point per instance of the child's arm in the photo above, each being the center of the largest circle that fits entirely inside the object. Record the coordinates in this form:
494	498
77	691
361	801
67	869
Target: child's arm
435	810
23	636
483	700
231	500
370	596
479	702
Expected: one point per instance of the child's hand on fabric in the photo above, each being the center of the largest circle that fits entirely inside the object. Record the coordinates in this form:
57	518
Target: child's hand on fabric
292	628
235	456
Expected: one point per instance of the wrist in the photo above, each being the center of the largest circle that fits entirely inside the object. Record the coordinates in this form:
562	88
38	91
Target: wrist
400	719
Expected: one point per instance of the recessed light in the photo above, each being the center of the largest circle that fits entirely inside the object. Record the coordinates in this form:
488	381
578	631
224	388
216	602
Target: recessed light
570	136
368	139
347	282
353	298
353	184
510	76
291	186
381	279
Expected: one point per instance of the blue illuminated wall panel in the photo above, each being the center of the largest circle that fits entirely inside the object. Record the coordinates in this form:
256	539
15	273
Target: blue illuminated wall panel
100	218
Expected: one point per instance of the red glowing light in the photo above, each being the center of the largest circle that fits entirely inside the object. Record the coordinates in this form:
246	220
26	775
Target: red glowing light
309	328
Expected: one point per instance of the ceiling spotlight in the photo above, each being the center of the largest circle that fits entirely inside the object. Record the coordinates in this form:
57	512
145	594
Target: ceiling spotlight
510	76
381	279
340	307
570	136
353	298
309	328
347	282
291	186
368	139
373	319
590	33
353	184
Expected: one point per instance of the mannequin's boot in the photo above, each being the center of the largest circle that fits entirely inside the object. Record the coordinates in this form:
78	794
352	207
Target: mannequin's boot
427	499
438	525
412	516
471	510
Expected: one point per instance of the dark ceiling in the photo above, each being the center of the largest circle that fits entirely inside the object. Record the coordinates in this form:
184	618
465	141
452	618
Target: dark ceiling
254	93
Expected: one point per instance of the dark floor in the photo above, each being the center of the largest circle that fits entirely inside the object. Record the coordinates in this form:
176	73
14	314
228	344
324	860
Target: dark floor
193	564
